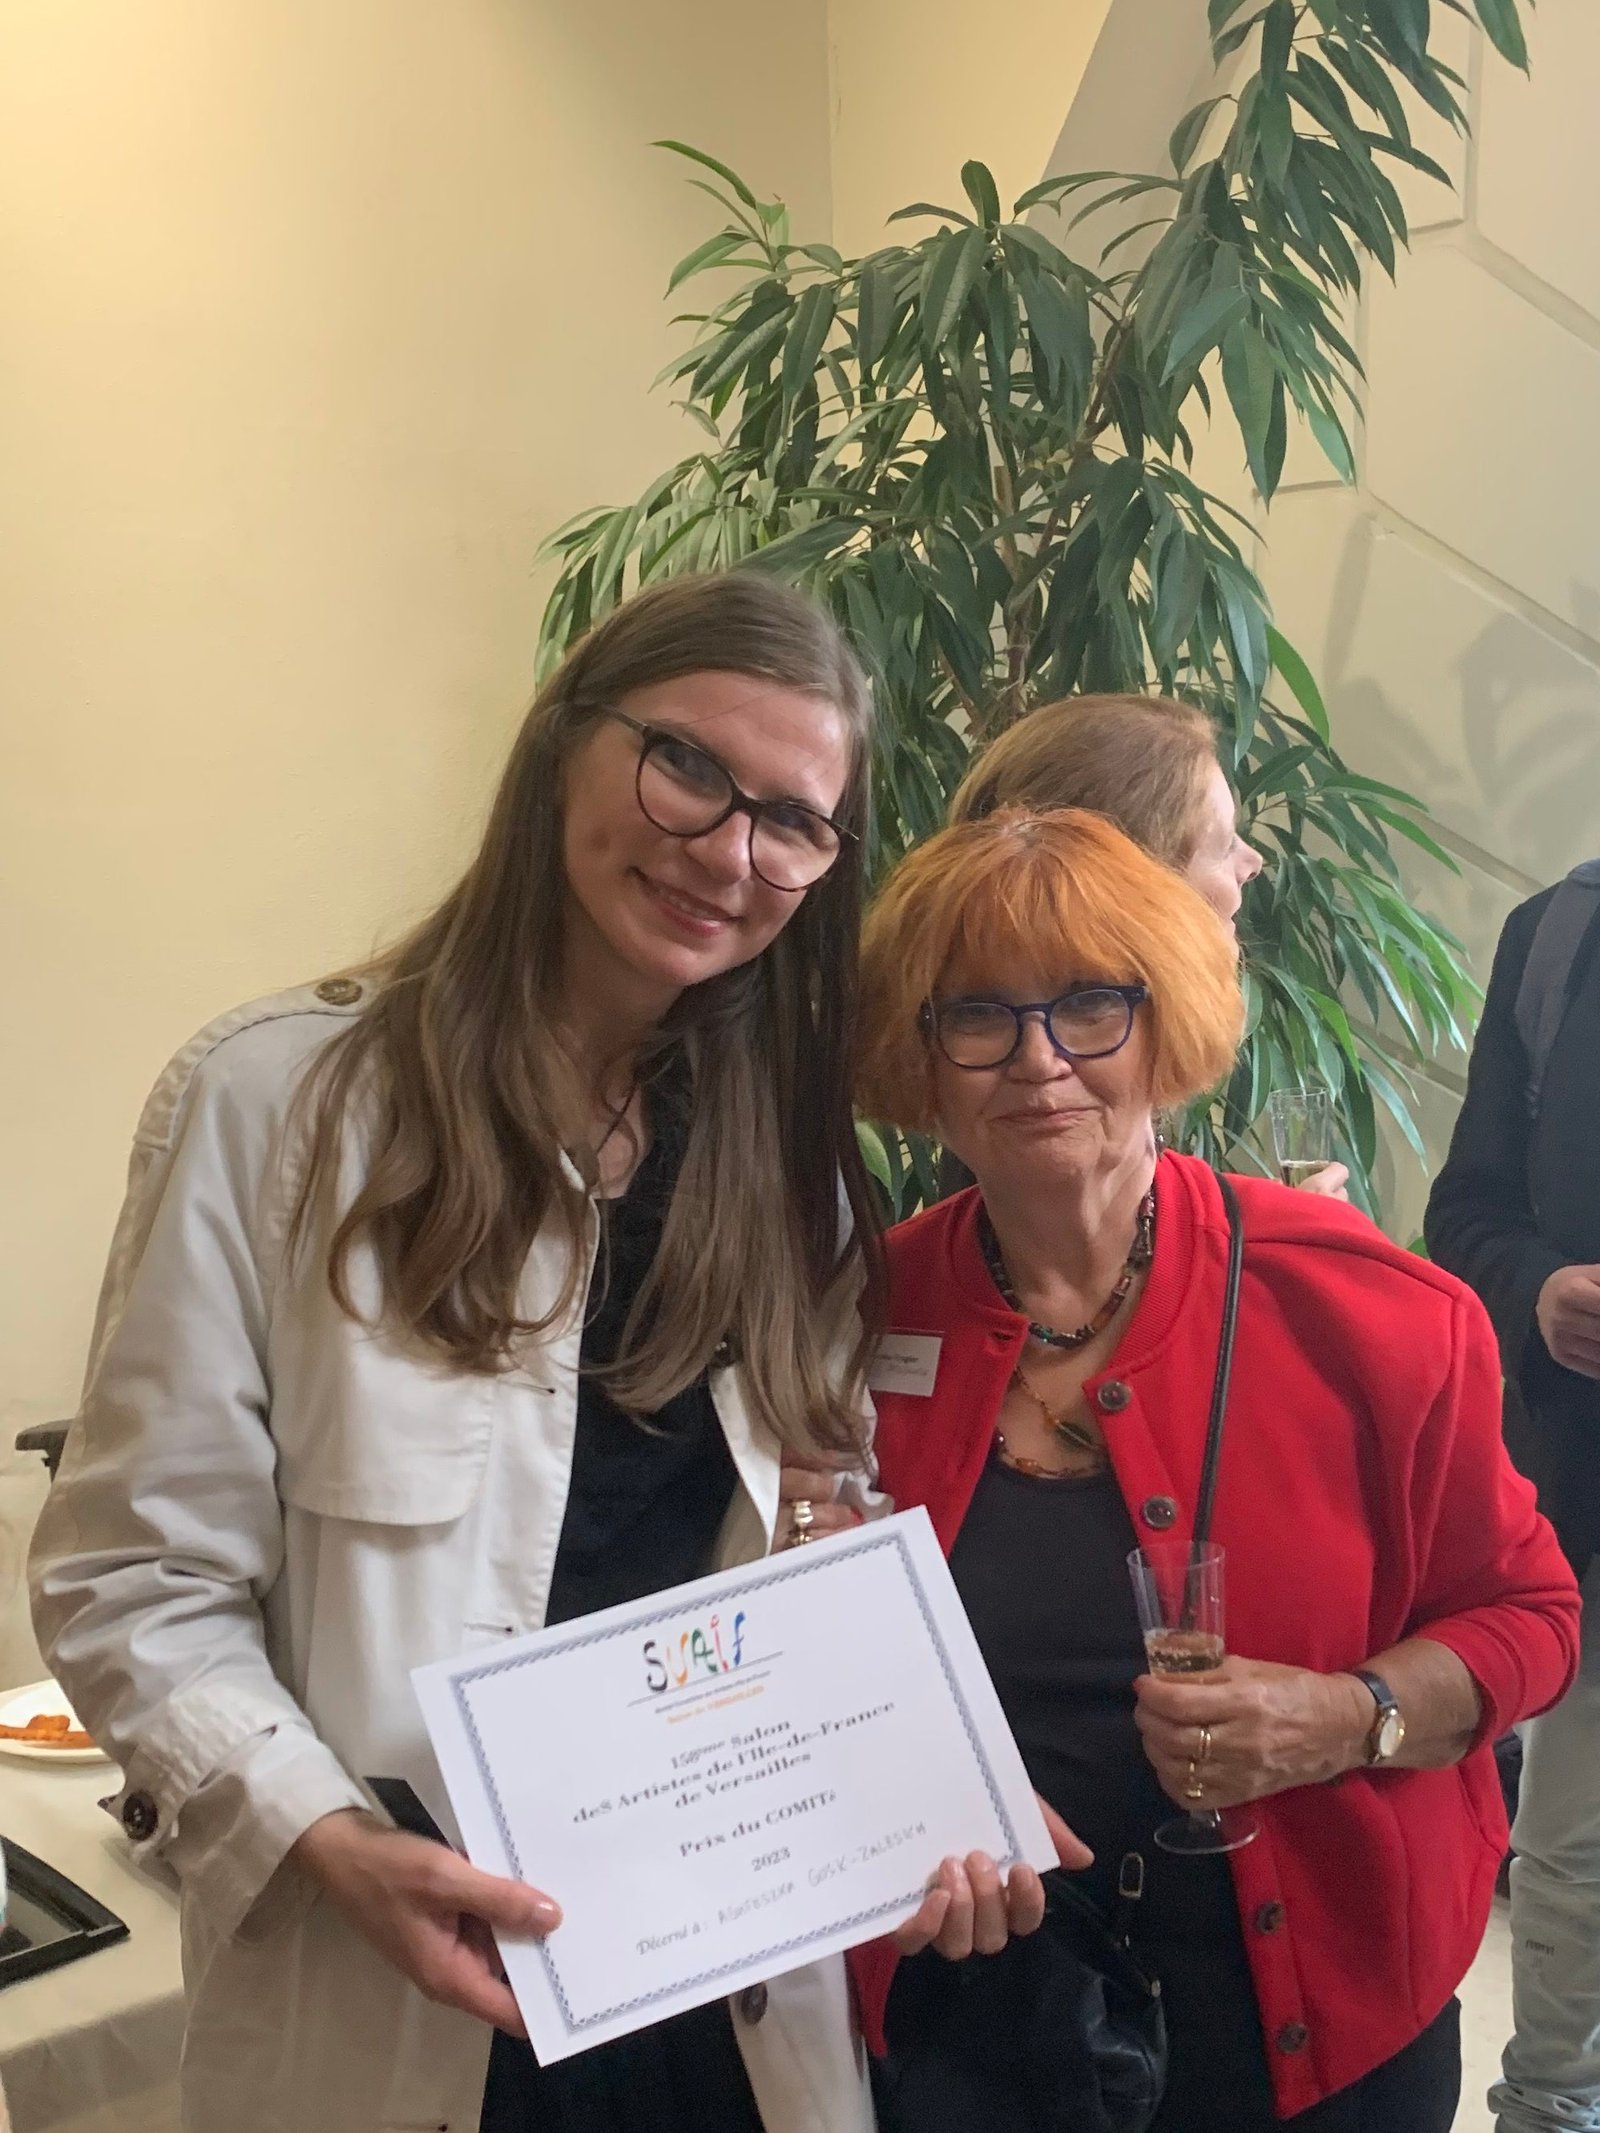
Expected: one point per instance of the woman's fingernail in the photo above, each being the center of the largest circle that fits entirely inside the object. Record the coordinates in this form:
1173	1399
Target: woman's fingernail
546	1915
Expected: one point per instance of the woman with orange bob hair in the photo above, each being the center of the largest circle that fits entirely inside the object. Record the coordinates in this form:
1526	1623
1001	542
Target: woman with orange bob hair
1034	988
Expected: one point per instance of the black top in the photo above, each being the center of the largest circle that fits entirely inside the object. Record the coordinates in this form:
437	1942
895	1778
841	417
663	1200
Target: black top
644	1505
1519	1197
645	1499
1042	1570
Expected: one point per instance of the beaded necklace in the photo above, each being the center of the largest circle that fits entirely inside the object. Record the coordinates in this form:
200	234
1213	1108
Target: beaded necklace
1140	1254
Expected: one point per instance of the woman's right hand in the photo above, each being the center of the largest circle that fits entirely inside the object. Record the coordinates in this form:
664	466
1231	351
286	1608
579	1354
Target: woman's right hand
426	1909
969	1910
1332	1182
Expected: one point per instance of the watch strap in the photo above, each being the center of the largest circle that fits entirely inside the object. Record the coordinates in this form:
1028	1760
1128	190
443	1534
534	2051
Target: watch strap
1387	1706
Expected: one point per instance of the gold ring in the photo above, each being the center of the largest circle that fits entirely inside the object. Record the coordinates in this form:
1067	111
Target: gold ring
802	1517
1194	1790
1203	1752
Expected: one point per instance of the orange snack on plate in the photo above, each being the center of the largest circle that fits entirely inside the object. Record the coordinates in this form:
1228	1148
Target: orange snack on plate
49	1729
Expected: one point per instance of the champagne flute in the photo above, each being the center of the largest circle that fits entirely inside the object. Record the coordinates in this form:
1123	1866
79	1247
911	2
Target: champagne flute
1178	1587
1302	1131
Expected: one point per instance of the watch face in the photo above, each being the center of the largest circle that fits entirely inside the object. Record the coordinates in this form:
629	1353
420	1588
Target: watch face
1391	1732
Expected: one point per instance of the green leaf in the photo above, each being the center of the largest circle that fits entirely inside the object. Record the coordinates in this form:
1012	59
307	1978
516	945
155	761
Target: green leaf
1219	13
952	267
1277	41
791	555
977	182
741	351
1275	130
875	307
1298	676
1248	377
1204	327
873	1153
926	207
1499	18
730	178
1186	134
1330	434
715	252
1179	582
809	328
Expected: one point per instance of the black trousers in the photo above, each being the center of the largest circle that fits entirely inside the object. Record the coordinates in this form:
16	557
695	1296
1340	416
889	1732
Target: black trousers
1217	2077
1211	2090
682	2076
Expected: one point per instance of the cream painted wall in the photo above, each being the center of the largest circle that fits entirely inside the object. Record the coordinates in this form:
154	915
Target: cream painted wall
920	86
317	318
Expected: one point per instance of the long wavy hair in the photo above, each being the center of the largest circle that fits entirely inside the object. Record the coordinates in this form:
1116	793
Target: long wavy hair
472	1098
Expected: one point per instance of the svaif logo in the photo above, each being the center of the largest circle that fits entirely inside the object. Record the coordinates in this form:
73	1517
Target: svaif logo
698	1653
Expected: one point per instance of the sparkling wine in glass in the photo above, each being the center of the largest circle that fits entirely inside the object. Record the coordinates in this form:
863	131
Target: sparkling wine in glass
1178	1587
1302	1131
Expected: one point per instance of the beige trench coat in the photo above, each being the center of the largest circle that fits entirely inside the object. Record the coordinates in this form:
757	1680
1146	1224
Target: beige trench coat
266	1516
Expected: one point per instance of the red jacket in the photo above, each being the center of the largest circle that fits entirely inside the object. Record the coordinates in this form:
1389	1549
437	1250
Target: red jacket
1364	1497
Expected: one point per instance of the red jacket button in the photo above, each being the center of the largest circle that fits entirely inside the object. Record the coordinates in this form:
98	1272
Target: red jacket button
1269	1919
1159	1512
1293	2037
1112	1397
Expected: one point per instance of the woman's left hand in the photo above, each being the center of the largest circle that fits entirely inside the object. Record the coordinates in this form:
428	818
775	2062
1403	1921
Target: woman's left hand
802	1488
1250	1729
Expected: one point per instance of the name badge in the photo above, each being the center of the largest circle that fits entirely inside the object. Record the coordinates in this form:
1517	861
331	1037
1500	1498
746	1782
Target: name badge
905	1362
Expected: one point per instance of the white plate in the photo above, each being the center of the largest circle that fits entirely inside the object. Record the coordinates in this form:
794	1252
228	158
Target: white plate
28	1703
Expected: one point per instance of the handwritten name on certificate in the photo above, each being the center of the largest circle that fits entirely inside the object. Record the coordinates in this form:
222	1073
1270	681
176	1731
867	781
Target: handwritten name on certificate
732	1778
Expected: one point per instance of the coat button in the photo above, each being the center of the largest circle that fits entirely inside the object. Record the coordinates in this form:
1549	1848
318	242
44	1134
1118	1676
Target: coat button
1293	2037
753	2003
1269	1919
139	1816
1159	1512
722	1356
1112	1397
339	992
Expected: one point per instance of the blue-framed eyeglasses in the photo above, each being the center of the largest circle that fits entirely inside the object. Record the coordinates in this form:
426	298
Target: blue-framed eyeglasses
1084	1022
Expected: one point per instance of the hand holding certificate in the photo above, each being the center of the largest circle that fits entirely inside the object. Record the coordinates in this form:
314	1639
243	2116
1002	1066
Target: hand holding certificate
730	1779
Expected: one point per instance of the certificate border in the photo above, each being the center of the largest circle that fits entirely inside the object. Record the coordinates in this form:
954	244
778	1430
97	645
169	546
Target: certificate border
780	1954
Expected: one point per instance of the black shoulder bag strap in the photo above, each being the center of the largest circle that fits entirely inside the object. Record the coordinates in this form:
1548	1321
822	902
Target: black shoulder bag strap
1224	1371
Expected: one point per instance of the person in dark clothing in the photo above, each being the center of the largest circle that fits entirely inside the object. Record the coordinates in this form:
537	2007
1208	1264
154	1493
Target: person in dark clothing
1516	1213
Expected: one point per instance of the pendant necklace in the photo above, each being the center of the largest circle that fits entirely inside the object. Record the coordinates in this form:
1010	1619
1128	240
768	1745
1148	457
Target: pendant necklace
1076	1437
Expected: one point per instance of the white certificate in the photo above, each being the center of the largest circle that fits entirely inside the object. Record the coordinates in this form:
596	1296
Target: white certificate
732	1778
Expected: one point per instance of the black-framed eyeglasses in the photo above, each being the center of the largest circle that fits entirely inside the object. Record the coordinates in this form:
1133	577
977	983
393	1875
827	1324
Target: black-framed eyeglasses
686	792
1084	1022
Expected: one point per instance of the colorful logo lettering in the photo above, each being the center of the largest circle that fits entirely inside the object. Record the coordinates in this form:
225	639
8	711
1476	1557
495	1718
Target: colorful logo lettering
696	1654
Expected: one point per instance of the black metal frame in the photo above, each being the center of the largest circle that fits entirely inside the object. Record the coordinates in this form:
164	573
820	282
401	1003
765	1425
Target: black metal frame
94	1926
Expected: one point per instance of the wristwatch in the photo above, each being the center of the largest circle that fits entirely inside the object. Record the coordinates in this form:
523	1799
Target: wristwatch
1389	1726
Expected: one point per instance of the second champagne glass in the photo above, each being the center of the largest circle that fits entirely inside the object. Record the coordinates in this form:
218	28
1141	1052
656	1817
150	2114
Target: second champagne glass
1178	1587
1302	1131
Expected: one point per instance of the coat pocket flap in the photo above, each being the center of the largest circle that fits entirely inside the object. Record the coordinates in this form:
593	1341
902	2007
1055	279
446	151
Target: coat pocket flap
376	1435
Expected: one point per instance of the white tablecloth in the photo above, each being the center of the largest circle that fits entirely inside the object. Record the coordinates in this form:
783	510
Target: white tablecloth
91	2047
